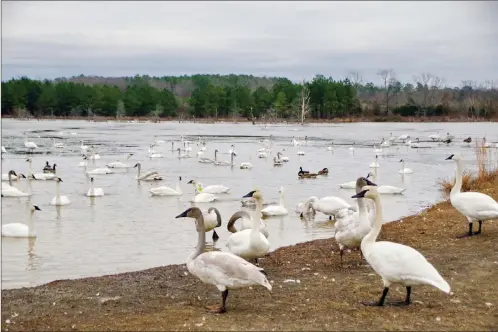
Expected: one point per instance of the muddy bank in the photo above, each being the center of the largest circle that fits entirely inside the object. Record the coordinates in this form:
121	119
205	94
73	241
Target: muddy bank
311	290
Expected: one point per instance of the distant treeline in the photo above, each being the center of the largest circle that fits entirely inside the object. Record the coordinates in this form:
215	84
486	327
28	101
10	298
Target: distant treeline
268	98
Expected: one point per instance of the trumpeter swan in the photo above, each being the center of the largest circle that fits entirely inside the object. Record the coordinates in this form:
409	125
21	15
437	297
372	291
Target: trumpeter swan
350	228
385	143
8	190
283	158
83	147
245	165
435	137
58	199
149	176
375	164
403	137
232	149
13	176
331	147
94	192
473	205
277	162
222	269
329	205
101	171
30	145
275	210
250	244
94	155
212	189
167	191
351	148
21	230
247	223
201	197
404	170
226	163
118	164
394	262
212	220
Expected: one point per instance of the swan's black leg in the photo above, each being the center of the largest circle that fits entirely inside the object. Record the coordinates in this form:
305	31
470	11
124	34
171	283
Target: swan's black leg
470	233
215	236
407	299
480	226
379	303
341	252
330	217
219	310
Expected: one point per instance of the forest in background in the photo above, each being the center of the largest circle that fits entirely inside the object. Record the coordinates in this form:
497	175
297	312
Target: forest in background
268	99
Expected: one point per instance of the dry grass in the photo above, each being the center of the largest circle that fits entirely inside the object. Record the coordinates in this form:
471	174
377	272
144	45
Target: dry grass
486	172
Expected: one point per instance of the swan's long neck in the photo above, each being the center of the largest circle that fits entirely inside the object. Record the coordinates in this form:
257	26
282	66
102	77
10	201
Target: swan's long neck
231	158
10	179
30	223
215	152
403	165
281	198
178	189
30	168
458	181
256	221
361	208
138	170
93	189
201	239
57	191
374	232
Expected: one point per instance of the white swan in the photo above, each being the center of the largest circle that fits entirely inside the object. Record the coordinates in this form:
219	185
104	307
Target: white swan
83	163
101	171
212	219
58	199
94	155
331	147
21	230
283	158
375	164
277	162
167	191
262	155
201	197
394	262
232	149
5	177
3	150
30	145
212	189
8	190
435	137
377	150
222	269
275	210
182	156
83	147
329	205
250	244
473	205
118	164
149	176
246	165
403	137
247	223
404	170
94	192
350	228
225	163
386	189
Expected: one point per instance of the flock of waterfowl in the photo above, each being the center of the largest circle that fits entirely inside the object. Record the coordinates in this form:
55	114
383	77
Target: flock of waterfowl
356	227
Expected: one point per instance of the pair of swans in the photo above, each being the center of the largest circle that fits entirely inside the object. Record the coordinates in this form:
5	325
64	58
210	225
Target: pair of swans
119	164
19	229
221	269
8	190
149	176
473	205
394	262
94	192
59	200
167	191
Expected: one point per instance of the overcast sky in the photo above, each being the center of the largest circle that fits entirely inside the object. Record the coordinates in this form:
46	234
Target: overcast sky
456	40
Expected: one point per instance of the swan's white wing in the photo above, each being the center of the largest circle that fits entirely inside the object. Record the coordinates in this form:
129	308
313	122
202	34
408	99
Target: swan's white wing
15	230
475	205
149	174
240	244
226	270
398	263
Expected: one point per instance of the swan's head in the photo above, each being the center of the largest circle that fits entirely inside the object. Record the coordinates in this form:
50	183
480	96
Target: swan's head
136	165
31	176
281	190
12	173
57	179
196	213
362	182
22	176
256	194
455	156
402	160
29	160
367	192
192	182
370	174
35	208
91	179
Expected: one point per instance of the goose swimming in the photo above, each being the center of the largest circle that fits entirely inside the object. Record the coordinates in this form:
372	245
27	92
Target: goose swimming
222	269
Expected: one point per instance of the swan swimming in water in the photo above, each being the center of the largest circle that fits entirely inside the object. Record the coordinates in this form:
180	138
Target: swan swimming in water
8	190
394	262
222	269
329	205
473	205
149	176
167	191
58	199
21	230
212	189
275	210
250	244
118	164
404	170
94	192
201	197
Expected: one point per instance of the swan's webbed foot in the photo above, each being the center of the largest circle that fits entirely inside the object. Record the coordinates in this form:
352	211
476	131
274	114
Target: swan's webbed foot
470	232
216	309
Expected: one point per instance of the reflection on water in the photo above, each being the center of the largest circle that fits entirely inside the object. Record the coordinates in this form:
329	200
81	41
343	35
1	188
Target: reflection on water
128	230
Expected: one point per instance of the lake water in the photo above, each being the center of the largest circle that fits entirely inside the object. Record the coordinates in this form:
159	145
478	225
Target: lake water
128	230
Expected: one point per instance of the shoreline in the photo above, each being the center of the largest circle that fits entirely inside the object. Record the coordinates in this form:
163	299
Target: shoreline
379	119
326	297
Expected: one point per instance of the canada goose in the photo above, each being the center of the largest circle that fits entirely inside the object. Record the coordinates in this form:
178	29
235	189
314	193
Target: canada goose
323	171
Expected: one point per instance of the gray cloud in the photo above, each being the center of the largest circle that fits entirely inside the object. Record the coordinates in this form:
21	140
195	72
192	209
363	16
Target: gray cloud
456	40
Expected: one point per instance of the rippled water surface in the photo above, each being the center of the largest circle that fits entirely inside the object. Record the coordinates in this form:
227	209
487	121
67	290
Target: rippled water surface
128	230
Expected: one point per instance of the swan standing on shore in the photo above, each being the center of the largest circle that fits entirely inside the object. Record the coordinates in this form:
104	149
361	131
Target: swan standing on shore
94	192
473	205
394	262
58	199
274	210
250	244
21	230
222	269
167	191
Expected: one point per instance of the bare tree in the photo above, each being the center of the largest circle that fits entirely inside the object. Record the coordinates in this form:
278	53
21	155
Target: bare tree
305	101
469	88
356	79
389	80
428	87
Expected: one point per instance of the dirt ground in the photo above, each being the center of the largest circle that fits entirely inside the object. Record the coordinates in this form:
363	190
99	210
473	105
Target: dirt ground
311	291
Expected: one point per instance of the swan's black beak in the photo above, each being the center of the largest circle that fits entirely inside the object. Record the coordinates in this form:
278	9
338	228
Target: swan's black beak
37	208
184	214
301	215
370	183
191	181
450	157
361	194
135	165
249	194
60	180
